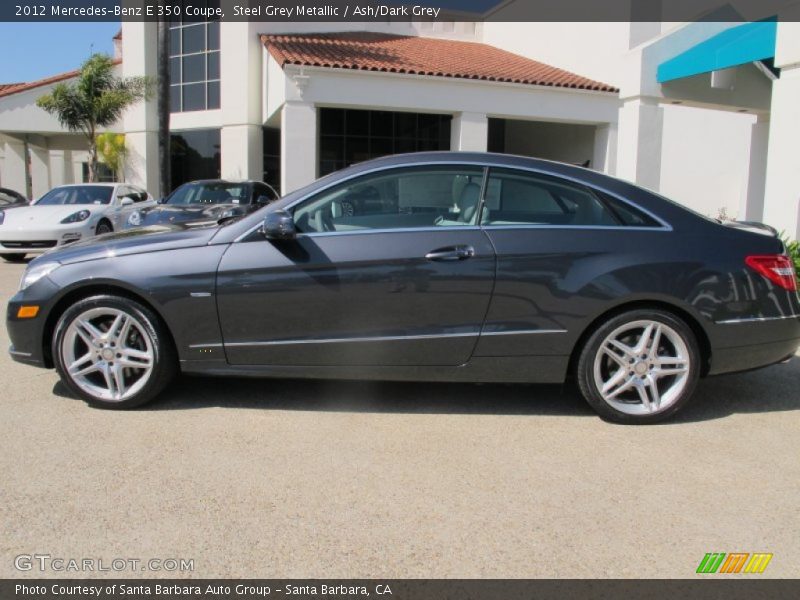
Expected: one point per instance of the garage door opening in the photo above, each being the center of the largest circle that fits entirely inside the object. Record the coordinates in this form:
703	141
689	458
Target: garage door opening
564	142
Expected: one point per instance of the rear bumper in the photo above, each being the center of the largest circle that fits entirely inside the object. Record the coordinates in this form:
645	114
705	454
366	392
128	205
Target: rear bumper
751	344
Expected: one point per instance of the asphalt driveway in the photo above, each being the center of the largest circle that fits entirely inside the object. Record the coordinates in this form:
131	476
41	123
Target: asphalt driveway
264	478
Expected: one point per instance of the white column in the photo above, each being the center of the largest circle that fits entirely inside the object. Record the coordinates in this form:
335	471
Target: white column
298	145
604	158
15	167
469	132
640	131
242	152
752	205
782	191
59	175
40	171
141	120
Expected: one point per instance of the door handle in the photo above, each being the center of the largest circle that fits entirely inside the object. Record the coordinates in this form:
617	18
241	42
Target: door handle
451	253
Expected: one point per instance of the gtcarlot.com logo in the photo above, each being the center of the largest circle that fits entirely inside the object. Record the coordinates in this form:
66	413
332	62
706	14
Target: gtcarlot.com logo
734	562
46	562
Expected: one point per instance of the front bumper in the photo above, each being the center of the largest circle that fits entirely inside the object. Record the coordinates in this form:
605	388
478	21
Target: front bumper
41	240
28	335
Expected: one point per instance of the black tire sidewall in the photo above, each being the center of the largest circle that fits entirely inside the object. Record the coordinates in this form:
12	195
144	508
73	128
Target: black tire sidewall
585	367
13	258
107	225
163	354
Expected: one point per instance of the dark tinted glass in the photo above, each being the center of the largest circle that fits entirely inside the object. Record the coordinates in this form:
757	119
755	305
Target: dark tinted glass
194	97
628	214
194	68
194	39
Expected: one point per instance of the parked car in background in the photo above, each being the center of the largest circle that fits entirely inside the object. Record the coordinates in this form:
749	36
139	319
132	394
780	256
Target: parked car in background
206	202
465	267
66	214
11	199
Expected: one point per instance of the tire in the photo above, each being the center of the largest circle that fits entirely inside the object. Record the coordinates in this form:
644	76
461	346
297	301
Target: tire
621	378
103	227
120	331
13	258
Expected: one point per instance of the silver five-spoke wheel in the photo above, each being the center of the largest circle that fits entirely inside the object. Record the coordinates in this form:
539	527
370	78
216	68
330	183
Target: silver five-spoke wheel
642	367
108	353
639	366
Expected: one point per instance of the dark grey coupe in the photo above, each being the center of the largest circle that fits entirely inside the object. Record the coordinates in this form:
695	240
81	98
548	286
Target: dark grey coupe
206	202
426	267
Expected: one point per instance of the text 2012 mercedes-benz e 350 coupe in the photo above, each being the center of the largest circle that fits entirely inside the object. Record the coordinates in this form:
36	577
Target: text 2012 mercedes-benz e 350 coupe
426	267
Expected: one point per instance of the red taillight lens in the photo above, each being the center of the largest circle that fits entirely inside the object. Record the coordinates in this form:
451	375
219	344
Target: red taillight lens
775	267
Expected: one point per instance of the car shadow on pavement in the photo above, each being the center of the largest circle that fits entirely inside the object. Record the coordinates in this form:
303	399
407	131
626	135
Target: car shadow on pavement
773	389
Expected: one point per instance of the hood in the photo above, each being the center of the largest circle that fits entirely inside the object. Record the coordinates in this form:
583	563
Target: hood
135	241
165	214
26	216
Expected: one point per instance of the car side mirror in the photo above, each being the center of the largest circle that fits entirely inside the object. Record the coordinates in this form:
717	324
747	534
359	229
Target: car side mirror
126	201
279	225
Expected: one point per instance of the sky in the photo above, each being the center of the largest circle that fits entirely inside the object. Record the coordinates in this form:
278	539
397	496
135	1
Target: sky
36	50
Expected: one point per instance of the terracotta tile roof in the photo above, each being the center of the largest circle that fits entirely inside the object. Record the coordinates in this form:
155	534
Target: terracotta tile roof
5	86
16	88
367	51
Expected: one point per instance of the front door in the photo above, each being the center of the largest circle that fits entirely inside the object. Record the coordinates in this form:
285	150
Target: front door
388	269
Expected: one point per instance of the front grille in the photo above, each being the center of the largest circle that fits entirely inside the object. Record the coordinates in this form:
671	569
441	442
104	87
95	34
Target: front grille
31	244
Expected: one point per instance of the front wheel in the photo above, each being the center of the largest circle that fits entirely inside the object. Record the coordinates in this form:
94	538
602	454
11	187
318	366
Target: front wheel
113	352
103	227
13	258
639	367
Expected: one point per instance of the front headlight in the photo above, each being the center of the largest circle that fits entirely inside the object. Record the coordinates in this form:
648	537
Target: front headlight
135	219
35	272
77	217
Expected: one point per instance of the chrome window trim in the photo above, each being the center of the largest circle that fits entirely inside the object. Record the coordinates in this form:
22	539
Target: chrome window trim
380	338
755	320
486	167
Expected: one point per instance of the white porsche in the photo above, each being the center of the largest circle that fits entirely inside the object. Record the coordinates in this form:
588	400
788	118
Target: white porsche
68	213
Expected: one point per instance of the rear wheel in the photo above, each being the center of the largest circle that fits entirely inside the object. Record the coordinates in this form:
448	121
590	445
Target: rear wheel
113	352
13	258
639	367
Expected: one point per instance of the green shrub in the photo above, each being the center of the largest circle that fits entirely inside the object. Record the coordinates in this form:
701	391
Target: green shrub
793	250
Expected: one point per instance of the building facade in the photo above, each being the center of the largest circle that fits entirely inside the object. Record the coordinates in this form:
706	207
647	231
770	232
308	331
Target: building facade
288	102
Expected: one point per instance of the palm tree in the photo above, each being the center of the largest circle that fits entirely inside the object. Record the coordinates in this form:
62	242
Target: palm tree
96	99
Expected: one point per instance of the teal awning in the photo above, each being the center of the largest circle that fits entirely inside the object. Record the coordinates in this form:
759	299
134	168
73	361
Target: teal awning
736	46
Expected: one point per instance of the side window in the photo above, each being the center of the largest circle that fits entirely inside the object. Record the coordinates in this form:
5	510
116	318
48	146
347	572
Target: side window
627	214
518	198
139	195
436	196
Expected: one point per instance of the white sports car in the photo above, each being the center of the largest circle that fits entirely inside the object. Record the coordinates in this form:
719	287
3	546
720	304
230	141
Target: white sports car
67	214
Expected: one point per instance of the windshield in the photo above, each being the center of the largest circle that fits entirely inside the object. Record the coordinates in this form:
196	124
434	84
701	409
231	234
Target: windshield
210	193
77	194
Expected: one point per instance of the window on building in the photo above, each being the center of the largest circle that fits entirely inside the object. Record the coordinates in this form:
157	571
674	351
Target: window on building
103	174
195	63
352	136
195	155
517	198
272	157
436	196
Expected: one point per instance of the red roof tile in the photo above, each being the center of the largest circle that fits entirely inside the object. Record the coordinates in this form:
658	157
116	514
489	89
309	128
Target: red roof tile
367	51
16	88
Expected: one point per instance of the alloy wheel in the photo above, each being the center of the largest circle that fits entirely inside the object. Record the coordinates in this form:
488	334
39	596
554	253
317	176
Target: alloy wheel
642	367
108	353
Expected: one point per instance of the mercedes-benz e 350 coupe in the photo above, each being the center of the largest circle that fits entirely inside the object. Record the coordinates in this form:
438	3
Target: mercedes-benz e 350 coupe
442	267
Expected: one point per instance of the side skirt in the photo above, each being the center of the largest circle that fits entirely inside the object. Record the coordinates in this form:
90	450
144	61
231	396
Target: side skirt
506	369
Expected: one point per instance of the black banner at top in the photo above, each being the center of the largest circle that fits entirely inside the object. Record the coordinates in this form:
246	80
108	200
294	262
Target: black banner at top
398	10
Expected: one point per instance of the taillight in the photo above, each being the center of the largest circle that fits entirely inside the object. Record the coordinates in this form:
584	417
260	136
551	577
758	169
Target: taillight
775	267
